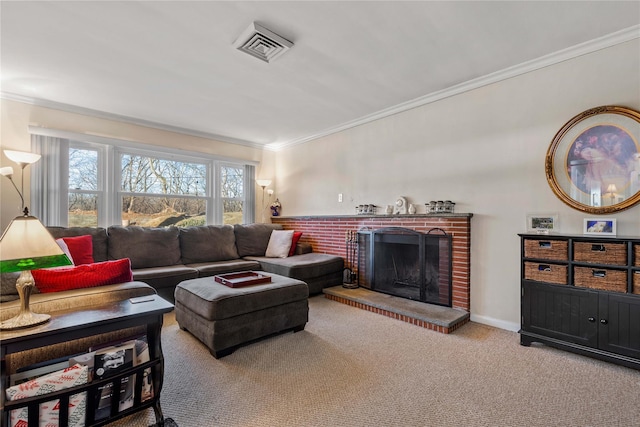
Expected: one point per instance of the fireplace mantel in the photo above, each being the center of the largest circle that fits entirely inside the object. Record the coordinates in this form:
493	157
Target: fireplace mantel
374	216
327	234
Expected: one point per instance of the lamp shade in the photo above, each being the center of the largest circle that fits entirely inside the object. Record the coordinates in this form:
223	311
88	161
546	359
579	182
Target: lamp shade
6	171
263	182
23	158
26	245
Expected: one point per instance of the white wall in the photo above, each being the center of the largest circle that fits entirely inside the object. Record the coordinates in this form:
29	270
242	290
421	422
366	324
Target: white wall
16	118
483	149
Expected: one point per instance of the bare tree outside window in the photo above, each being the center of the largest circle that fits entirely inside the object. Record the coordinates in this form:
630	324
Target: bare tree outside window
83	188
154	188
161	192
232	193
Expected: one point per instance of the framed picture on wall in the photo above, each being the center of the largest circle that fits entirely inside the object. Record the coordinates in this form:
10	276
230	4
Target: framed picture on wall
593	163
599	227
542	223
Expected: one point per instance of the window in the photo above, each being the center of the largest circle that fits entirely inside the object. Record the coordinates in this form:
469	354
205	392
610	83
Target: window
84	187
232	194
157	192
115	182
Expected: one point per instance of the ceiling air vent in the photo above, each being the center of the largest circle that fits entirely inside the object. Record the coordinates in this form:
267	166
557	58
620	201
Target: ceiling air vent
263	44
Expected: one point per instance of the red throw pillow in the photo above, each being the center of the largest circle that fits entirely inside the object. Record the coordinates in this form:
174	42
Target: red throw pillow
81	249
294	242
83	276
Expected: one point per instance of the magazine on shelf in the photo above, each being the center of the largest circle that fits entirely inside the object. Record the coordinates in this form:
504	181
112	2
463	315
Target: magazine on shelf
32	372
105	394
85	359
50	411
113	360
142	356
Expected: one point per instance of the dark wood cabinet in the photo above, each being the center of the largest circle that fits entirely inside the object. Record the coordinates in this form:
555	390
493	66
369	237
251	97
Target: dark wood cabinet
619	324
79	324
581	294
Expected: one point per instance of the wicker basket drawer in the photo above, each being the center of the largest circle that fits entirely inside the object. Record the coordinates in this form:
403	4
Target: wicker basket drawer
550	273
636	250
636	282
600	278
546	249
600	253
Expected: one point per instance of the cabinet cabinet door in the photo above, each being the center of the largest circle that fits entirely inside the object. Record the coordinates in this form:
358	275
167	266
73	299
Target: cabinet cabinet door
561	312
619	324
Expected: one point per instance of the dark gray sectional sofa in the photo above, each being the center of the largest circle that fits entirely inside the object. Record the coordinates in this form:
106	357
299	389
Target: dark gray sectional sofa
160	259
163	257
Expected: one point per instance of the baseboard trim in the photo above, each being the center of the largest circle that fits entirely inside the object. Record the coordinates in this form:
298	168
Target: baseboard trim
497	323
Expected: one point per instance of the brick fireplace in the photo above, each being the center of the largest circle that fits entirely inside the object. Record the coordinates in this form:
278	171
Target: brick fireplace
326	234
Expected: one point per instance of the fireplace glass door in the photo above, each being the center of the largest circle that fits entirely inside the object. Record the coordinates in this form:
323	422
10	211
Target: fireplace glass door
406	263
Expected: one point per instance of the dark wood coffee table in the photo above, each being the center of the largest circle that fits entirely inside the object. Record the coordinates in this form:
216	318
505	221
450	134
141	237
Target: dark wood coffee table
70	325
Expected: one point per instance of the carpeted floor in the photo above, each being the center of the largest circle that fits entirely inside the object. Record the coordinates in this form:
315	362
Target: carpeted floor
168	422
350	367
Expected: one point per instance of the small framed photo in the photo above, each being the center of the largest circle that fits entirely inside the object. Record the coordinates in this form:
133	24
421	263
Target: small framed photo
542	223
599	227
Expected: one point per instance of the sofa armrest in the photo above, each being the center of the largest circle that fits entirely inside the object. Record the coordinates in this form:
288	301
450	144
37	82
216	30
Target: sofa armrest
77	298
303	248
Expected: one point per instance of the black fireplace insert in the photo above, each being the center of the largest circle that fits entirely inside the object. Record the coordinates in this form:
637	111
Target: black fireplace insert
406	263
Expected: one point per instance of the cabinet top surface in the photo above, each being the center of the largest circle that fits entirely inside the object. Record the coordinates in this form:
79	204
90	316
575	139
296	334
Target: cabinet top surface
588	237
91	315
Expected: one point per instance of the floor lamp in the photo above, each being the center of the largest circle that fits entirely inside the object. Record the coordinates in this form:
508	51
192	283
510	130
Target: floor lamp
264	183
22	158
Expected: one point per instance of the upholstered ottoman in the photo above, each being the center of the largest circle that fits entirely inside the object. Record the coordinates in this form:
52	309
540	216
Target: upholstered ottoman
224	318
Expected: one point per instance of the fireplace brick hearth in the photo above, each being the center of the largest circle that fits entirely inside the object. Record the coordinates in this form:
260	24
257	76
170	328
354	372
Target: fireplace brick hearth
326	234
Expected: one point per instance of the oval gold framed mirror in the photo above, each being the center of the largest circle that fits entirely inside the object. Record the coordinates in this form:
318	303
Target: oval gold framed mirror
593	162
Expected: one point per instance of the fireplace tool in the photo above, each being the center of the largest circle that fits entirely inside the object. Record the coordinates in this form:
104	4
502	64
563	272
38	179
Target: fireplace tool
349	276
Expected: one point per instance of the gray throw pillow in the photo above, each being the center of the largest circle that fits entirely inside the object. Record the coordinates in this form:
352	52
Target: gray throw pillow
253	239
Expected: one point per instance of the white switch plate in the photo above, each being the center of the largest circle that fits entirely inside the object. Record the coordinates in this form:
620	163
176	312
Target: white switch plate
339	197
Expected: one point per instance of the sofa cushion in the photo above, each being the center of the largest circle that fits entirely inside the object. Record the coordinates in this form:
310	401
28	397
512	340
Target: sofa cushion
164	276
81	249
220	267
145	247
252	239
65	249
302	266
78	298
8	291
98	236
294	242
83	276
279	244
207	243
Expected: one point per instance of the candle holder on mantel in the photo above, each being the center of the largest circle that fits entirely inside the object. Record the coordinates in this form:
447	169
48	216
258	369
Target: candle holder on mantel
440	206
366	209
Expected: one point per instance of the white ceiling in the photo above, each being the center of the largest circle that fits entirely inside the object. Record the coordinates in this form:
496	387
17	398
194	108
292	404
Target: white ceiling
172	64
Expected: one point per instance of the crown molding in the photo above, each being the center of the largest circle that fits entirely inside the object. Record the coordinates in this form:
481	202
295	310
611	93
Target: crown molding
585	48
125	119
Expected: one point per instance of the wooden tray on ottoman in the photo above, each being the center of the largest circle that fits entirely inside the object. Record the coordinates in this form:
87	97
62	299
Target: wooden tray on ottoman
244	278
